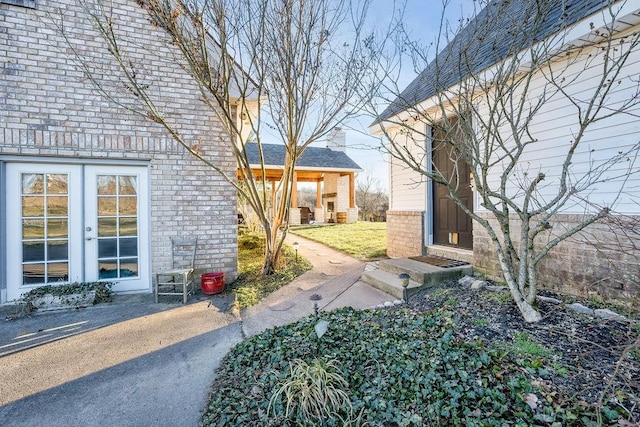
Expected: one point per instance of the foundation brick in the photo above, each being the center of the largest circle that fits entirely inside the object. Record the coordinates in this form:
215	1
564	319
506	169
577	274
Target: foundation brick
404	233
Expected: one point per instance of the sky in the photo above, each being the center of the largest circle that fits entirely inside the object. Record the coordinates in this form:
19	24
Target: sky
422	20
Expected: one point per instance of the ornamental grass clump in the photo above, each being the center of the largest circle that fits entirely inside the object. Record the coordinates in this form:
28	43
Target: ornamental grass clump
312	393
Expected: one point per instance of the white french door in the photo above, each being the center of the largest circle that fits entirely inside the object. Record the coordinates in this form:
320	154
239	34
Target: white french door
72	223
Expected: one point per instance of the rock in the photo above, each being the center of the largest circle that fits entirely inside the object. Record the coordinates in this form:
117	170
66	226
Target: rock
497	288
388	304
398	302
607	314
466	281
532	401
579	308
371	266
549	299
479	284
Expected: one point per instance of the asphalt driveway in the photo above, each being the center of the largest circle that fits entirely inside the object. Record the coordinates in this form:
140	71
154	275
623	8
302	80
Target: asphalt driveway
131	363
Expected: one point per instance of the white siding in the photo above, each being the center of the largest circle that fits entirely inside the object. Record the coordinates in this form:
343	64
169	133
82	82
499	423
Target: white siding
407	186
555	125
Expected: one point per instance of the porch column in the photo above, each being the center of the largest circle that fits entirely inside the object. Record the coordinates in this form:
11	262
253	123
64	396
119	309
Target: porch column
294	191
319	194
273	198
294	212
352	212
318	214
352	190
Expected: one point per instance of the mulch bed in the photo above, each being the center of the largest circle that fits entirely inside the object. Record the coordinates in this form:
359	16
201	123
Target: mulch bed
602	357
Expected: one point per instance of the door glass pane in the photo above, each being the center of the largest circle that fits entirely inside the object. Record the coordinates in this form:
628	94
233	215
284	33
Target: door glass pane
128	226
128	247
107	248
45	228
33	274
32	183
128	206
33	206
106	185
129	268
107	205
108	269
57	249
57	272
117	226
57	184
57	205
58	227
128	185
32	251
107	227
33	229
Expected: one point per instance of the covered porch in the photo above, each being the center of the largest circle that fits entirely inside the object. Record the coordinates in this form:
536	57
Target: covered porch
333	173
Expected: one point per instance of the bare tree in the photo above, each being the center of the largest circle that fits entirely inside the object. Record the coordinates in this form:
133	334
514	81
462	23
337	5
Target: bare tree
487	98
371	199
298	61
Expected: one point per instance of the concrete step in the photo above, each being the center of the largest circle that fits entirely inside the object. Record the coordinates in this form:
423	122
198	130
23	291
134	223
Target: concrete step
423	273
389	283
450	252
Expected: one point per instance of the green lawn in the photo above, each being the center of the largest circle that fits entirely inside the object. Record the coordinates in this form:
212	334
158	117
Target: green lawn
364	240
251	287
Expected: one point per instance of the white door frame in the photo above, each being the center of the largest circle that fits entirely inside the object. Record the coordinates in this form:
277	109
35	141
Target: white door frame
81	214
142	281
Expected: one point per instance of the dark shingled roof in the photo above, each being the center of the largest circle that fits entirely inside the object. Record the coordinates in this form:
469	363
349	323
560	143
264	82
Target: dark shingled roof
313	157
501	27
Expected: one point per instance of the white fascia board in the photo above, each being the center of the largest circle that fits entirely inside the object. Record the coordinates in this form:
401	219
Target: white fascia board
306	168
627	15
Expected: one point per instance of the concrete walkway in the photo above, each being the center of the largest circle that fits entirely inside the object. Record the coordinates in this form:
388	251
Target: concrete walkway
334	277
136	363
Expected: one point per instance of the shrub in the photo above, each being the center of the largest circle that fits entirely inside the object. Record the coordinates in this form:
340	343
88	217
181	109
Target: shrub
312	393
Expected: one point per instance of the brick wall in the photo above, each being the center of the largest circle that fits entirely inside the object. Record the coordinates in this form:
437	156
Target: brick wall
404	233
598	262
48	109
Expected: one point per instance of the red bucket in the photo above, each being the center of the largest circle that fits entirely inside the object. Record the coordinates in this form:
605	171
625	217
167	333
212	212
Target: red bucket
212	283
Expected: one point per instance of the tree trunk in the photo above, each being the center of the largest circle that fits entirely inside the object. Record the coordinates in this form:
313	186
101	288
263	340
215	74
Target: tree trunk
530	314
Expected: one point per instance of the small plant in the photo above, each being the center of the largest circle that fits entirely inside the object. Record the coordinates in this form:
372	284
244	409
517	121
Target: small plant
499	297
527	345
481	322
312	392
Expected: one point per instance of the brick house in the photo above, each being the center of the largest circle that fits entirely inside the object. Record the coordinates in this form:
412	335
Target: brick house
424	220
88	190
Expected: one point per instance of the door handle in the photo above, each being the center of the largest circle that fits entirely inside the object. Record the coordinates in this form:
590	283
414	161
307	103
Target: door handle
89	238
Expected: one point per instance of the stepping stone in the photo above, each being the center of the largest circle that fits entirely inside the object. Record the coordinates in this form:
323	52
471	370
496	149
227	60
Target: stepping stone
281	306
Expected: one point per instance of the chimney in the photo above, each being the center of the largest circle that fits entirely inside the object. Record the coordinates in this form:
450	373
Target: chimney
337	140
